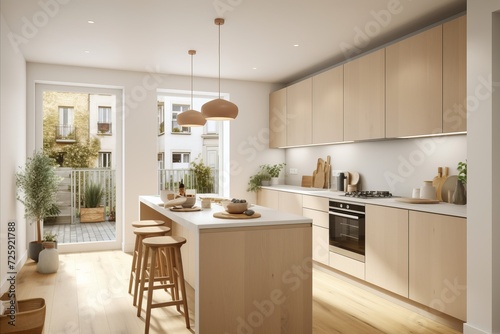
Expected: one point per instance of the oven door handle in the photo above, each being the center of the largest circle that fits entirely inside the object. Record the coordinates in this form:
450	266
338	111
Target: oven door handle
343	215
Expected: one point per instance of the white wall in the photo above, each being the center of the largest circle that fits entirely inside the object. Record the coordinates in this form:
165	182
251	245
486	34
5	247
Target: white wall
12	149
395	165
248	133
483	211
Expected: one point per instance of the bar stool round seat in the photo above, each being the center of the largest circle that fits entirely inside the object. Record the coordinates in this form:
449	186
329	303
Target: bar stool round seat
170	275
147	223
135	270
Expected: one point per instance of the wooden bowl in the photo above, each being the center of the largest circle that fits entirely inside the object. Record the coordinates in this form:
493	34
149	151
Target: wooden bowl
236	207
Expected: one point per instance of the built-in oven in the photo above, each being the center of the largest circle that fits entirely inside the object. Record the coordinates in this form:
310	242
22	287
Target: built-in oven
347	229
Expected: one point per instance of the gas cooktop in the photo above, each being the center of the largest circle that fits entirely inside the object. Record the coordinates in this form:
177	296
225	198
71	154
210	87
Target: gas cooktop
368	194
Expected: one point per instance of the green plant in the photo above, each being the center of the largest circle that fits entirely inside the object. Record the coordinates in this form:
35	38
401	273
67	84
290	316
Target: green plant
255	181
37	186
204	182
82	155
274	170
93	195
462	171
49	237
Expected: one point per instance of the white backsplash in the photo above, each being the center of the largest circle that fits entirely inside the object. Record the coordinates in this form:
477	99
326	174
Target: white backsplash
395	165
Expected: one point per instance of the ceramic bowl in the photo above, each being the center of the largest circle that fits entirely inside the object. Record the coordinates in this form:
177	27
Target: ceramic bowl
236	207
189	203
166	195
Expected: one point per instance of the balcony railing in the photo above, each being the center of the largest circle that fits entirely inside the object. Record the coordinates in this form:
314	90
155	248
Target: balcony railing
65	133
170	178
104	128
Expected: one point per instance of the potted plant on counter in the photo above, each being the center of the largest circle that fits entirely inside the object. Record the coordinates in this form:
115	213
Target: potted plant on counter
459	196
37	186
256	181
92	212
274	171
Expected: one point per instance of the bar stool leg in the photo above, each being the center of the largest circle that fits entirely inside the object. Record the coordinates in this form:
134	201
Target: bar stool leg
180	272
151	283
134	264
140	263
142	281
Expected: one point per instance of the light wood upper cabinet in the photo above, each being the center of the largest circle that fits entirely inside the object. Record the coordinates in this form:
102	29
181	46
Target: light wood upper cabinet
386	243
364	97
277	118
438	262
455	75
328	106
414	85
299	113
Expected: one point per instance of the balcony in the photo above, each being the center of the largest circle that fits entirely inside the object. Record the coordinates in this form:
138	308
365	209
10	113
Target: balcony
65	134
204	184
104	128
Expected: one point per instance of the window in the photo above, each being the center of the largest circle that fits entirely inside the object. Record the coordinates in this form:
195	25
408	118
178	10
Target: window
161	118
161	160
104	159
177	109
65	129
104	120
180	157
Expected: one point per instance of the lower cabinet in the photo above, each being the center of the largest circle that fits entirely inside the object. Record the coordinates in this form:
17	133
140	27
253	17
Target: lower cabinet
316	208
347	265
268	198
386	257
438	267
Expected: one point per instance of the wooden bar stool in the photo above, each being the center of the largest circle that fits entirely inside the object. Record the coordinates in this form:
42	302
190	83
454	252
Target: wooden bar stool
147	223
135	270
170	259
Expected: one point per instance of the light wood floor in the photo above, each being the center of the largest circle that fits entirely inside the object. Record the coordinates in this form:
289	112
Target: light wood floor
89	295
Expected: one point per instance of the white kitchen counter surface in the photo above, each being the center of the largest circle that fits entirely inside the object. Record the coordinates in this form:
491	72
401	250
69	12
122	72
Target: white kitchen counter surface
441	208
204	219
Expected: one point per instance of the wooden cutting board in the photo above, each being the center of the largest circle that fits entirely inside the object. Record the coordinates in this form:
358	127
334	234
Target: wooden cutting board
448	186
227	215
307	181
437	182
194	208
417	200
319	177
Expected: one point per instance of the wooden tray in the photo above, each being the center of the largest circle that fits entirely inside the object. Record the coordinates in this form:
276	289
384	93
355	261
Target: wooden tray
177	209
227	215
417	200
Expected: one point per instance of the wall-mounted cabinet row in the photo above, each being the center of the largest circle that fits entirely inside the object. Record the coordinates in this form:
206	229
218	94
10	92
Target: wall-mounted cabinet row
416	86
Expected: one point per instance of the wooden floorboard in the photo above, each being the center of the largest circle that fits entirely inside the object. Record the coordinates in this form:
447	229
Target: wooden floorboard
89	294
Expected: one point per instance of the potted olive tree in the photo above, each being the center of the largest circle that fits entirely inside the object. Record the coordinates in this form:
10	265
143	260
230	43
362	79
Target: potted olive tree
37	186
92	212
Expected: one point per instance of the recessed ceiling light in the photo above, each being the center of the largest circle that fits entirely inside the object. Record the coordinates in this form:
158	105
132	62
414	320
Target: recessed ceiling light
90	21
87	51
254	68
295	45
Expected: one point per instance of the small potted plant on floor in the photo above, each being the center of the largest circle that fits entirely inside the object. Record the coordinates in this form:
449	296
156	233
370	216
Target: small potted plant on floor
37	186
92	211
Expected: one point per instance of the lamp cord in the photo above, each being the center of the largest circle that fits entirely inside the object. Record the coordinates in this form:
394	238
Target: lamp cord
192	107
219	61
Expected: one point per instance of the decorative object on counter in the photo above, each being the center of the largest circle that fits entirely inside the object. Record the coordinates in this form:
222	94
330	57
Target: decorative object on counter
341	181
206	203
166	195
328	173
415	193
306	181
181	188
354	180
175	202
427	191
459	196
191	117
219	109
319	174
37	186
235	206
436	183
227	215
189	202
274	172
256	181
448	188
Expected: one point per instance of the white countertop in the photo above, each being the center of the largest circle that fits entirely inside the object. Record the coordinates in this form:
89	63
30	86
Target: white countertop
204	218
441	208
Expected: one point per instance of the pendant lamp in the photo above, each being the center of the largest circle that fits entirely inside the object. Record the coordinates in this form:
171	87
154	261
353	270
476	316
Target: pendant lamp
219	109
191	117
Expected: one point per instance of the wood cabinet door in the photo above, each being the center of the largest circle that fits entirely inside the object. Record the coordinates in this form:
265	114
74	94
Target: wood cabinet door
299	113
290	202
386	243
364	97
277	118
328	106
414	85
438	262
320	242
268	198
455	75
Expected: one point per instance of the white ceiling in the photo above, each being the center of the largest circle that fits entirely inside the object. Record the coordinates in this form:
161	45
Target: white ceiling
155	35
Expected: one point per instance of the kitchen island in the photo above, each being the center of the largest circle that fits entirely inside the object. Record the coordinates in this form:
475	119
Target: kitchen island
249	275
